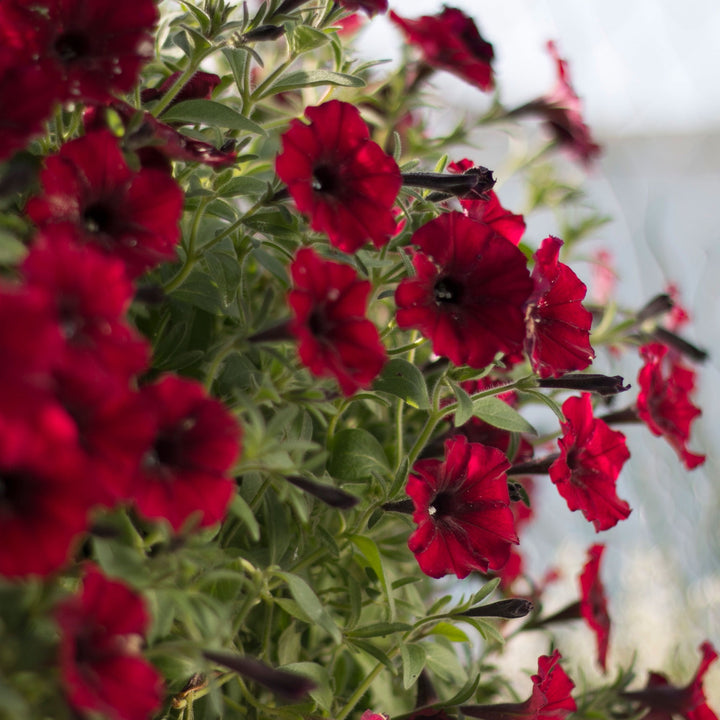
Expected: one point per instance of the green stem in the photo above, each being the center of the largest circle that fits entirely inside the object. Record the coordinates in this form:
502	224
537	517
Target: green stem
361	689
190	258
178	85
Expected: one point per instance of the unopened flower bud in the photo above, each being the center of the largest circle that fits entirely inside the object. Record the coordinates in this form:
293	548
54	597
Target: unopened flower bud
327	493
510	608
589	382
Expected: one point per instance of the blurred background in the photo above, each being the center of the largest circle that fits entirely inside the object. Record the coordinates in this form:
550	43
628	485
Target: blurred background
648	73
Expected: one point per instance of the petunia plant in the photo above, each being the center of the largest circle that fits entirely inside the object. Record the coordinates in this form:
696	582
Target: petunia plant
277	359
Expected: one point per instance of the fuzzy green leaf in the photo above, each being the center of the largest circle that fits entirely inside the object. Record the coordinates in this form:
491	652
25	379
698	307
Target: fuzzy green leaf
499	414
404	380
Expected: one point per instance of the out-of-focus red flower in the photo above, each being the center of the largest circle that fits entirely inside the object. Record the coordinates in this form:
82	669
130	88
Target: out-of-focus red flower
155	142
348	26
90	294
198	87
44	498
185	469
678	316
101	633
593	602
468	293
462	510
340	178
20	121
371	7
370	715
133	216
604	278
663	402
490	211
591	457
562	111
558	326
335	338
450	41
666	701
97	48
550	699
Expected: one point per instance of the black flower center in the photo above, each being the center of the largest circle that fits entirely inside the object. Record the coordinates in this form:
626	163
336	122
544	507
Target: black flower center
443	504
448	291
325	179
98	218
14	495
318	324
71	46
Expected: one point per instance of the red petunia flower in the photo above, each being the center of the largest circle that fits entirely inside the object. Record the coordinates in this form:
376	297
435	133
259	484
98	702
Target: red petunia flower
663	402
339	177
101	632
96	46
550	699
558	326
133	216
666	700
20	121
185	469
562	111
593	603
468	294
335	338
44	496
450	41
90	294
490	211
370	715
462	510
371	7
591	457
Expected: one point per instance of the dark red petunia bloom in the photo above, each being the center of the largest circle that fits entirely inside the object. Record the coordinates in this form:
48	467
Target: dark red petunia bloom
562	112
469	291
558	326
450	41
462	510
20	121
96	46
371	7
198	87
550	699
591	457
90	294
101	632
340	178
156	143
663	402
593	602
133	216
335	338
185	469
666	700
44	490
490	211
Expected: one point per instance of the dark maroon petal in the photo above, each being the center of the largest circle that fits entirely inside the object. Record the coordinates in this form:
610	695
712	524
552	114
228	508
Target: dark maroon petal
371	7
450	41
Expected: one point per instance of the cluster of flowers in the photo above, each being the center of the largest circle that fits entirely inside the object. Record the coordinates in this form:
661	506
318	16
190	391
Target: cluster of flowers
89	426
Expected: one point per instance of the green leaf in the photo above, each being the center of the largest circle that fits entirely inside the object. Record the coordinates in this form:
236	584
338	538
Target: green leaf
402	379
309	603
452	633
465	405
373	651
485	591
381	629
303	38
201	291
322	694
370	552
499	414
12	251
413	661
243	185
549	402
241	510
212	113
313	78
292	609
485	628
465	693
355	455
